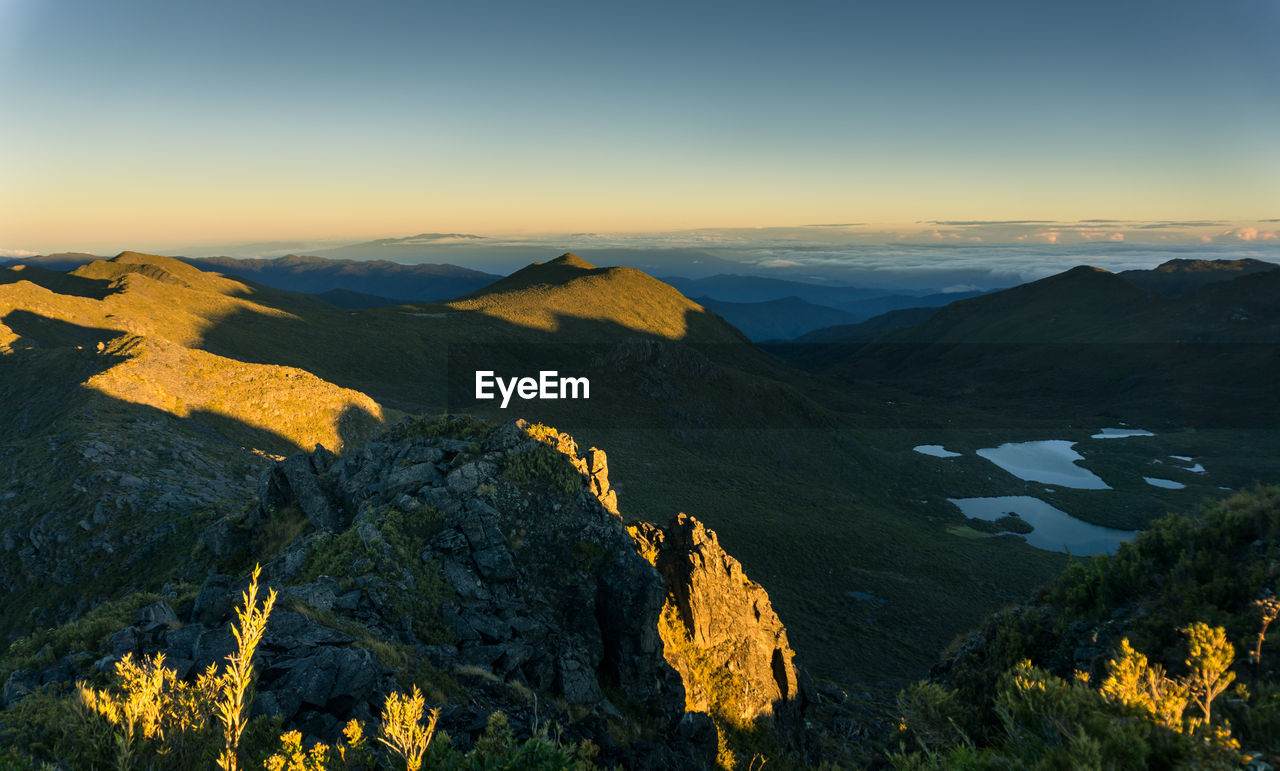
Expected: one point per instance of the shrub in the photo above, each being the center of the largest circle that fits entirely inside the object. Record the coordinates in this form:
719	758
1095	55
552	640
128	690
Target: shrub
545	464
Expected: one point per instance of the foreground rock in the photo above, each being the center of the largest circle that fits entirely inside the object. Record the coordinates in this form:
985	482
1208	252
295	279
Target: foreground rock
490	566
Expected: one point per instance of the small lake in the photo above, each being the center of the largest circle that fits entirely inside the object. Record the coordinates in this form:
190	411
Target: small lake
1167	484
1054	529
935	450
1120	433
1194	467
1050	462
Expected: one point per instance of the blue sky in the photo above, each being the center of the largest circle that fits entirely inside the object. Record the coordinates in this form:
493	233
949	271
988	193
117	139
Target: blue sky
166	122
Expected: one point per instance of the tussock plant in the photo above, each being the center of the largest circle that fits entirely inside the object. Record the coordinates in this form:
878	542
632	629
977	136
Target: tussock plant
402	729
238	676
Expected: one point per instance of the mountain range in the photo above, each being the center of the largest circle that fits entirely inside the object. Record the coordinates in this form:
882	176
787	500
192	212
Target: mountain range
151	407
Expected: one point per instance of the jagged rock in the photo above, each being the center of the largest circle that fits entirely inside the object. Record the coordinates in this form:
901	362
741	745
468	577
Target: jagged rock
297	476
19	683
725	616
577	680
535	587
412	478
157	615
122	642
181	643
463	479
214	601
322	460
321	594
495	564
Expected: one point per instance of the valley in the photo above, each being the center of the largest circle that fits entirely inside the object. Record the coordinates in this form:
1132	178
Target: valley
867	485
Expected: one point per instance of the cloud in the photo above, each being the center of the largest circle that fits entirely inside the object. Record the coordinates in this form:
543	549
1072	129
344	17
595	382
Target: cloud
780	264
18	253
1116	237
956	288
1253	234
970	223
838	225
1184	224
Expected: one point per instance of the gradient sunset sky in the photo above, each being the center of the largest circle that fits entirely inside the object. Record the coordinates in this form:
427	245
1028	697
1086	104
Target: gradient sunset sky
177	122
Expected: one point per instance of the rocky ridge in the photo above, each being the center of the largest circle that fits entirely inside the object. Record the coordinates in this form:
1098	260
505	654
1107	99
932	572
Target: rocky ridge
487	563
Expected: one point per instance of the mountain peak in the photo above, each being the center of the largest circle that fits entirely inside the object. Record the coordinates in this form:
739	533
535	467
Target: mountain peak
1246	265
167	270
1181	276
571	260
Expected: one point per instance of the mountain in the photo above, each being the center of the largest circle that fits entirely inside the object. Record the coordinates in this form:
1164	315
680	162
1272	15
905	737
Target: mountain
731	287
874	306
316	275
547	296
1177	277
776	319
58	261
503	256
872	328
161	421
1091	339
345	298
696	417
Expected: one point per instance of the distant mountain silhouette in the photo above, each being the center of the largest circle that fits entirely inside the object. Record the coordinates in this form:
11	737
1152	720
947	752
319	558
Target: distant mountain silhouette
873	327
874	306
1177	277
1085	337
737	288
345	298
781	319
382	278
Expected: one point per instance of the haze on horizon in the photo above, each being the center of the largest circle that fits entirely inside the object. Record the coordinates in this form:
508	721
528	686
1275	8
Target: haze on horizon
147	124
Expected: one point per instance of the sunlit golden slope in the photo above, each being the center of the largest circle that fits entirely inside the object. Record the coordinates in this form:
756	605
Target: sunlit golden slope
147	316
291	403
131	293
542	295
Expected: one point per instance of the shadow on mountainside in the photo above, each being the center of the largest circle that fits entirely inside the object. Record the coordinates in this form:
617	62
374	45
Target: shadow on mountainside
59	282
35	330
105	495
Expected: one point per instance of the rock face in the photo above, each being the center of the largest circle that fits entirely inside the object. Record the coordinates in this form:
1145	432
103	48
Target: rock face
718	621
495	563
426	541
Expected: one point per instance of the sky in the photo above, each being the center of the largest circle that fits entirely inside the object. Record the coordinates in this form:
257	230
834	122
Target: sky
154	124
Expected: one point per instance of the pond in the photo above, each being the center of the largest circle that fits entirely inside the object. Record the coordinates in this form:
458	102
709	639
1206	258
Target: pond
935	450
1053	529
1120	433
1050	461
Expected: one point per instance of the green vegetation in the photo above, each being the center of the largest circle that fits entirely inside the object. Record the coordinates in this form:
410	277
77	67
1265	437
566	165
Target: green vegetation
1184	590
545	465
1047	722
87	633
439	427
392	551
148	718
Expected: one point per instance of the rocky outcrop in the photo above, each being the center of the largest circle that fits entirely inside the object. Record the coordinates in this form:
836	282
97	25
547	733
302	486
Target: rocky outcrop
490	560
492	557
718	622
